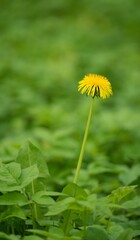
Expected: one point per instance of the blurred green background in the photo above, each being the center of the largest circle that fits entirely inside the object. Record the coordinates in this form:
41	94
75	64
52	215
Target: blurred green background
46	47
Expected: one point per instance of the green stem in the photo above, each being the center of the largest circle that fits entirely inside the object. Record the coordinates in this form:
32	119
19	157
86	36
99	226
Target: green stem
67	220
34	208
33	205
66	223
83	144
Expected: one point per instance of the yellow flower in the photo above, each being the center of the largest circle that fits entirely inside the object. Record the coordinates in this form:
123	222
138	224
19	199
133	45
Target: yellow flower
95	85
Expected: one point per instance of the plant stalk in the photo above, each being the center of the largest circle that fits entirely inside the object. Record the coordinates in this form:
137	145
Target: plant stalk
83	144
66	225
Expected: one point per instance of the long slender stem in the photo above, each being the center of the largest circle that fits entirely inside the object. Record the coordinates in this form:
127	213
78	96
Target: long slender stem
34	208
83	144
33	205
66	225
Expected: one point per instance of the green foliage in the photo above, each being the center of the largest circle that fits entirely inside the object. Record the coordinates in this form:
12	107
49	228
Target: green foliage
120	193
13	198
30	155
46	48
13	179
4	236
130	175
18	186
32	238
96	232
127	234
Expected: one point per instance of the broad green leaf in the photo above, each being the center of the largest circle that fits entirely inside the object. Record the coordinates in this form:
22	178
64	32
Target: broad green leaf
97	168
32	238
53	193
75	191
95	233
4	236
30	155
118	194
136	233
126	235
57	230
60	206
12	211
130	175
42	197
134	203
13	198
115	230
10	173
90	202
6	187
9	177
103	208
54	233
28	175
46	233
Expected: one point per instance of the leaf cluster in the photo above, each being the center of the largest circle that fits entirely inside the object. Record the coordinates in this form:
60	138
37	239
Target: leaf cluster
29	207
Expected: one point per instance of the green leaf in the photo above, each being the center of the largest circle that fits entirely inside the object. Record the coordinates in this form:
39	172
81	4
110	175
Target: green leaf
103	207
57	230
32	238
134	203
118	194
4	187
13	211
95	233
90	202
30	155
53	193
42	198
9	177
126	235
115	230
45	233
13	198
60	206
75	191
130	175
4	236
10	173
28	175
136	233
77	202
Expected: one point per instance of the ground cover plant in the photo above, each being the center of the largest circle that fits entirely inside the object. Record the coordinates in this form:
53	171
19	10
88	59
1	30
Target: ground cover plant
46	49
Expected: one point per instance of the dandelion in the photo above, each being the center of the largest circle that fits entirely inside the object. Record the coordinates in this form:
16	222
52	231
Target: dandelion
95	85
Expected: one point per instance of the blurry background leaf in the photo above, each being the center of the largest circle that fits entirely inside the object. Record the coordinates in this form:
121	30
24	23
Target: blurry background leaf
117	195
12	211
130	175
13	198
126	235
96	232
8	237
32	238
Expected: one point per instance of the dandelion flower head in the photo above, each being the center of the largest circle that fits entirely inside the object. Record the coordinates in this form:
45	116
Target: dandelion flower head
95	85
